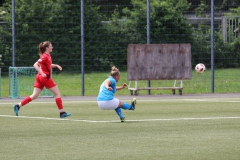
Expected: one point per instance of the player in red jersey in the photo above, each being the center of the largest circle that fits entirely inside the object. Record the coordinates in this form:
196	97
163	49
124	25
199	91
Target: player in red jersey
43	79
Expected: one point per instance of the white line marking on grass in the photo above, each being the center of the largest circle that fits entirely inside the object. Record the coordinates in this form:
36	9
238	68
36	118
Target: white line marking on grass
56	119
143	120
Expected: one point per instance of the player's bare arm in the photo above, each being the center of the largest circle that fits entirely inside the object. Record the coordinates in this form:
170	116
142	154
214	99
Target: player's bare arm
56	66
37	67
121	87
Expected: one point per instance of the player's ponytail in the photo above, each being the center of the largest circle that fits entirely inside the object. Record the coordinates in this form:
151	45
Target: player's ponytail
114	71
42	47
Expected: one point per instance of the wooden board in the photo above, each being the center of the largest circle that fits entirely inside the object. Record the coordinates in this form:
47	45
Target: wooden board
159	61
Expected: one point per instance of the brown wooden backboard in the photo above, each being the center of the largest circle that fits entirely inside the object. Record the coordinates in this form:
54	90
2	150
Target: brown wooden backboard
159	61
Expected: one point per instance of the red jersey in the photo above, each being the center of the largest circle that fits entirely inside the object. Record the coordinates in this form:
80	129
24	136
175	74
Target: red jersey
45	62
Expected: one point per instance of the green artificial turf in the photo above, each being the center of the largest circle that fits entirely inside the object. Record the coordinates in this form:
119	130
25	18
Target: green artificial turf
165	128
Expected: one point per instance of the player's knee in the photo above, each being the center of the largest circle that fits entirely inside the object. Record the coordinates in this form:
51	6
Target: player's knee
57	96
33	97
120	104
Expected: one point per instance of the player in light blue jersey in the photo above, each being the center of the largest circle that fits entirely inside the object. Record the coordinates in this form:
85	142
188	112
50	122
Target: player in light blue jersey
106	100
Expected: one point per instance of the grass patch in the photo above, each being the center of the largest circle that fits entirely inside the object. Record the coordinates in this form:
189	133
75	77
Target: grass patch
225	81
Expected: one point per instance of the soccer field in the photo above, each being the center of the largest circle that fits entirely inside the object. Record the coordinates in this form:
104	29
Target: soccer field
194	127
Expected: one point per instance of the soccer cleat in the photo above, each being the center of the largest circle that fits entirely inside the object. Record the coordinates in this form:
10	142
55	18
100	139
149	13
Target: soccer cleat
122	119
16	109
64	114
134	102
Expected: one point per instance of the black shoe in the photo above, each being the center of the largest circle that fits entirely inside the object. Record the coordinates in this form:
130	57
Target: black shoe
122	119
134	102
16	109
64	114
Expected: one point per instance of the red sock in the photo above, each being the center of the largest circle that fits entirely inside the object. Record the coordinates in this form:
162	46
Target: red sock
59	103
26	101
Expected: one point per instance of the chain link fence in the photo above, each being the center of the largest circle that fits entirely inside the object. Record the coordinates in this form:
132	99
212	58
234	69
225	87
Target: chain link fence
109	27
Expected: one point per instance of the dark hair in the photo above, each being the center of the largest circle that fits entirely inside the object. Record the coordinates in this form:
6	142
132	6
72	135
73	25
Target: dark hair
42	46
114	72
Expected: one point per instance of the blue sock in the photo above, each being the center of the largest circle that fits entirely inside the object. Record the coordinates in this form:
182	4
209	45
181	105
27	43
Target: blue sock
119	112
127	106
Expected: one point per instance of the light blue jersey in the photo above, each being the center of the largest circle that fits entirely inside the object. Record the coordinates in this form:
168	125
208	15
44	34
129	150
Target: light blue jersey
104	94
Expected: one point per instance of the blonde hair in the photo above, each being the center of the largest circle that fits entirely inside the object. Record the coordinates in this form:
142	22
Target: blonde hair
114	72
42	46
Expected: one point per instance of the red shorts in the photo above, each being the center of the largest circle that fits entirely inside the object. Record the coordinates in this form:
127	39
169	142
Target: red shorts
41	82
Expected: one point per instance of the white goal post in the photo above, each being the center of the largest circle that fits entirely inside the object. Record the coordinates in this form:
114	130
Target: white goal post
21	81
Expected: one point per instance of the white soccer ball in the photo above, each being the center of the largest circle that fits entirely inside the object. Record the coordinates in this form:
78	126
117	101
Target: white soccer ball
200	68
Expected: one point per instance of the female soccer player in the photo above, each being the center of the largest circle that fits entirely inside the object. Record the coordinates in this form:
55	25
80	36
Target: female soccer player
106	100
44	79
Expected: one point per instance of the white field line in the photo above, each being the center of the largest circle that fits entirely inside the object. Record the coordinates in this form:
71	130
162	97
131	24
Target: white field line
142	120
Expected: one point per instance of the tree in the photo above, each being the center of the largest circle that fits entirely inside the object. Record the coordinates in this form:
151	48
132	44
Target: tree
168	23
57	21
220	5
36	21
